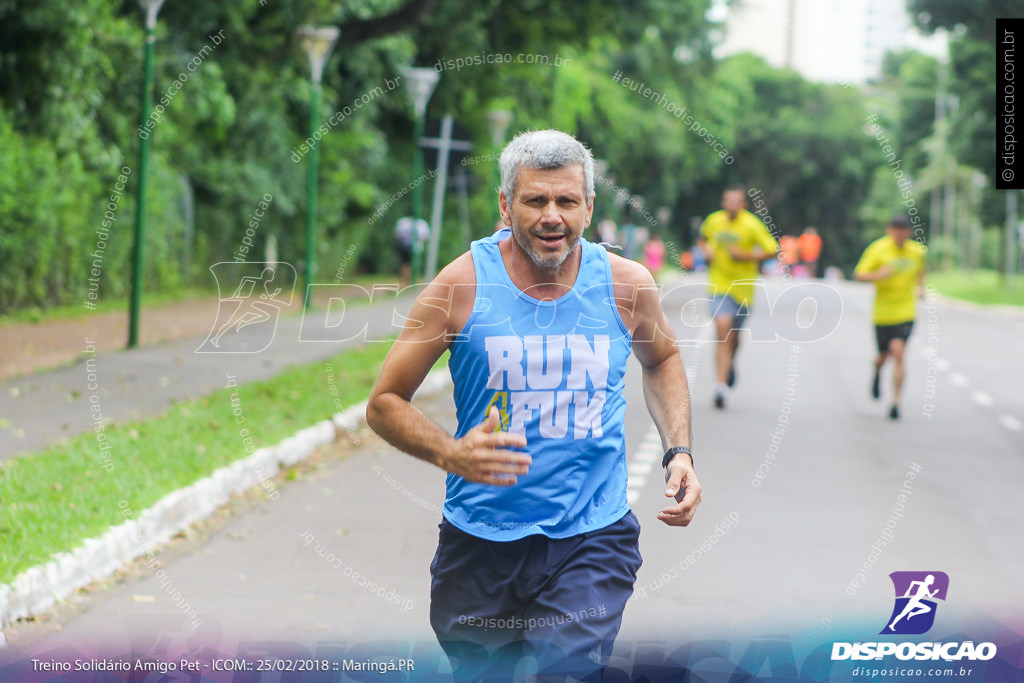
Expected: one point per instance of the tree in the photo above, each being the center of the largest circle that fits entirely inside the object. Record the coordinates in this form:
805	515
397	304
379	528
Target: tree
972	108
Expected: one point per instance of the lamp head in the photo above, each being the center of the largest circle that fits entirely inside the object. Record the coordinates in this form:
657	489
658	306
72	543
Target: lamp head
421	82
318	41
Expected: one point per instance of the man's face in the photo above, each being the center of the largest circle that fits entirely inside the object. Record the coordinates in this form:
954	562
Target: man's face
899	234
548	213
733	201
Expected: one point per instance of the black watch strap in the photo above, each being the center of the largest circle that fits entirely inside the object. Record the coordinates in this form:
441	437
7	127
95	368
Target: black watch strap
671	453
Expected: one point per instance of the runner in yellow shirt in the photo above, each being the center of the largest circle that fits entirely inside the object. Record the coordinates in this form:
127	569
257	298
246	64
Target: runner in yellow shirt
735	242
896	264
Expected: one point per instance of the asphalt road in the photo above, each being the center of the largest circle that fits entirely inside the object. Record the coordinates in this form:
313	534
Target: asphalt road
342	553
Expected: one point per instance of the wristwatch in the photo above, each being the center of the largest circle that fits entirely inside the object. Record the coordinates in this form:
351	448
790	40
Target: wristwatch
671	453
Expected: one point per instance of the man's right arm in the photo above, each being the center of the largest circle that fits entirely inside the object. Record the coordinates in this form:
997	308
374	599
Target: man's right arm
702	241
479	455
869	268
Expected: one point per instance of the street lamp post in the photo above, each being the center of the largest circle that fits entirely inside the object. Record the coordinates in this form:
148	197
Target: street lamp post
498	120
635	207
601	167
421	81
317	42
151	8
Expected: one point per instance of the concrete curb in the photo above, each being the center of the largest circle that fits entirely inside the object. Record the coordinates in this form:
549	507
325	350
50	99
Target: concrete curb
40	587
997	309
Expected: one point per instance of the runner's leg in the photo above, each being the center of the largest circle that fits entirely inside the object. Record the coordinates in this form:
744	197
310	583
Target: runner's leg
572	623
896	348
728	340
733	341
882	338
919	609
475	601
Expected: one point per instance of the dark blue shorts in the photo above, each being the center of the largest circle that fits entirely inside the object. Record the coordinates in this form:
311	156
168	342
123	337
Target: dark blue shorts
495	605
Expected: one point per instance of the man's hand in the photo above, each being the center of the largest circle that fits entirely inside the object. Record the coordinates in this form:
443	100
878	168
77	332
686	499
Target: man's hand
682	485
879	273
706	248
477	457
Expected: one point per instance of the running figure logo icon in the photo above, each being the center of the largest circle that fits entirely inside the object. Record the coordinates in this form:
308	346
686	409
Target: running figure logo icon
916	593
255	301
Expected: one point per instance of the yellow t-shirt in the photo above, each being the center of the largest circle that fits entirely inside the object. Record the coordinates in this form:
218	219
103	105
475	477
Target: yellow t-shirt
894	295
726	275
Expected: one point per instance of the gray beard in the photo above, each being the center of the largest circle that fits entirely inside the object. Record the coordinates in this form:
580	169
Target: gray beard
547	264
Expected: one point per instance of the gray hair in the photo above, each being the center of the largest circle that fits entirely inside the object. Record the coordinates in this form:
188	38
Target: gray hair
545	150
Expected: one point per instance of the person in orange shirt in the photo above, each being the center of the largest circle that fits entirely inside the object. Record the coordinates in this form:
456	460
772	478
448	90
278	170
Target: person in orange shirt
686	260
810	250
790	247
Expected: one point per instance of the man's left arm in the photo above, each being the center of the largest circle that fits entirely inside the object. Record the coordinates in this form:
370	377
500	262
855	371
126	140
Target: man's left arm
766	241
665	388
765	246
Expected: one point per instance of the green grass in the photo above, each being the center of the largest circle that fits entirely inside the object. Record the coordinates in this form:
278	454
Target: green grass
52	500
979	286
77	310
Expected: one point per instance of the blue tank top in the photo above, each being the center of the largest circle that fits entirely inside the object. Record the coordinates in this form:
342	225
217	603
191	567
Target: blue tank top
555	370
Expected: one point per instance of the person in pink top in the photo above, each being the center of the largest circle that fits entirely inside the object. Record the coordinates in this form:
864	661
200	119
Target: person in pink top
654	254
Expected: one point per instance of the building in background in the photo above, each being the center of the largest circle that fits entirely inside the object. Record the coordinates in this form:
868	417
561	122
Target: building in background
834	41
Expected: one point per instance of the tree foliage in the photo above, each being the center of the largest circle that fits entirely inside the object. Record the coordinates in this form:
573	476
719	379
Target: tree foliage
70	76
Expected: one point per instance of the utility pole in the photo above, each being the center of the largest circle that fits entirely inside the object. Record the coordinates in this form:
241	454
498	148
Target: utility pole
790	21
940	132
151	8
445	146
1012	246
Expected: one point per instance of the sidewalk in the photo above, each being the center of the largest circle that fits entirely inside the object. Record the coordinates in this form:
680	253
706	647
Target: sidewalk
264	573
29	348
39	409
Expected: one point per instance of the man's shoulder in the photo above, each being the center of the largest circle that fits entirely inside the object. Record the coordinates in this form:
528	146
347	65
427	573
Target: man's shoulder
750	220
629	272
880	244
450	295
459	272
716	218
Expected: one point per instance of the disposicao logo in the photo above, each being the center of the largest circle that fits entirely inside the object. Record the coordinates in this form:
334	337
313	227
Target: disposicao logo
913	614
916	593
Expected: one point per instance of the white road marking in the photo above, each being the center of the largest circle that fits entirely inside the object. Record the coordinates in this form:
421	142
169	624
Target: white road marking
1010	422
942	364
640	469
643	461
982	399
959	380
